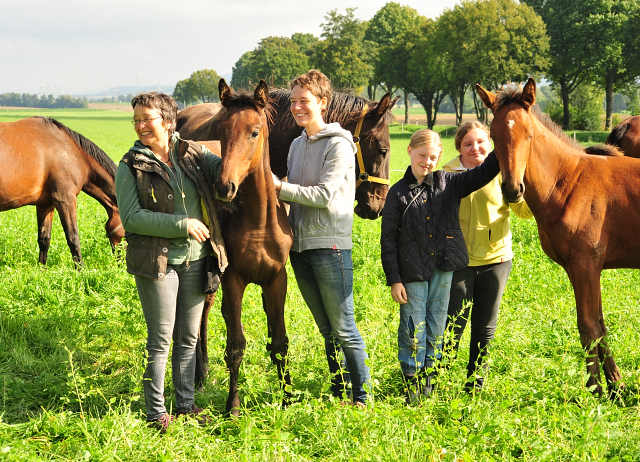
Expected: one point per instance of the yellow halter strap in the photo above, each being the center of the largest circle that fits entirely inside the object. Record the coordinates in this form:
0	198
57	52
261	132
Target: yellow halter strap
363	175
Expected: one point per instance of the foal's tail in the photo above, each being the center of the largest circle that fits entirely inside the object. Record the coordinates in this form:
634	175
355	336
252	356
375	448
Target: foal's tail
616	135
86	145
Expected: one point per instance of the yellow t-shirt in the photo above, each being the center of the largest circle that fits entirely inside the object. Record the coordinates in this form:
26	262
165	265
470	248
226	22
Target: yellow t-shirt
484	219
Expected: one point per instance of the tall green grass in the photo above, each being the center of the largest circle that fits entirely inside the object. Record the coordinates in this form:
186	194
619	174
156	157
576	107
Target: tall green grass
71	346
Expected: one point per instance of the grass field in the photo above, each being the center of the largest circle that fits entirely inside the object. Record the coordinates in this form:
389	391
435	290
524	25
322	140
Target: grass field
71	346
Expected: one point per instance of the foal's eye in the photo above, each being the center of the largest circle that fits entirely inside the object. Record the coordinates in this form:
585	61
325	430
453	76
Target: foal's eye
383	152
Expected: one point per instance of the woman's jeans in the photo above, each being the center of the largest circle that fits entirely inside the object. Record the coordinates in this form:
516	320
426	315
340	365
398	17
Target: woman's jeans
422	322
172	309
325	279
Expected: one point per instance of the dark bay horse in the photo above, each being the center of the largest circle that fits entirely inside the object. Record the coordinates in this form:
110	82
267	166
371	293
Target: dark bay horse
626	136
47	165
200	123
586	208
255	228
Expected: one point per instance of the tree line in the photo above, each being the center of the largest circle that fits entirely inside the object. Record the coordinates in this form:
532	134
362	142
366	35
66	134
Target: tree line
586	49
33	100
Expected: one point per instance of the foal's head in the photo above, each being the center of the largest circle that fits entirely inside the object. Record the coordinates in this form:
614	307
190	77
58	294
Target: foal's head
243	137
512	133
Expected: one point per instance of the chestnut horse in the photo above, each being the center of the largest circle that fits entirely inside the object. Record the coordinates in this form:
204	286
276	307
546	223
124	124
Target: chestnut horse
47	165
200	123
255	228
586	208
626	136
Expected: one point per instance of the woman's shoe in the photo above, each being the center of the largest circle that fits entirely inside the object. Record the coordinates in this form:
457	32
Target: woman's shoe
162	423
196	414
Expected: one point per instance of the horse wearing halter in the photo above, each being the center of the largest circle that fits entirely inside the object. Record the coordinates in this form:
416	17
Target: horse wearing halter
363	175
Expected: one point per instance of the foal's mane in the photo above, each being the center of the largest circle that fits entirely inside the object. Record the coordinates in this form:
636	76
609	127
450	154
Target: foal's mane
86	145
513	94
343	108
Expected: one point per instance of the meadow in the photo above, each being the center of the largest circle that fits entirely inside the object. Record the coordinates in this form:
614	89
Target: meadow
71	348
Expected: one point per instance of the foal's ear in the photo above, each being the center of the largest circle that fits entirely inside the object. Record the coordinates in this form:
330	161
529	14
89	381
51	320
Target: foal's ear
225	92
529	93
261	94
487	97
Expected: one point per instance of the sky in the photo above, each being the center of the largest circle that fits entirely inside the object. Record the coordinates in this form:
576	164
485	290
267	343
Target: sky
87	47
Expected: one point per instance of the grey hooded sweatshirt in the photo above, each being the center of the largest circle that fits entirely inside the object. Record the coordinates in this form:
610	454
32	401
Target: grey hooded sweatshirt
321	189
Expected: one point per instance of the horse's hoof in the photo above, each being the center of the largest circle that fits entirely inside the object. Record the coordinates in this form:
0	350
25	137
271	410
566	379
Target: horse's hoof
615	390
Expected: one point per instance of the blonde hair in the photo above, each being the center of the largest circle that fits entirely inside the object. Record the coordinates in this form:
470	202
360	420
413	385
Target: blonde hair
425	137
465	128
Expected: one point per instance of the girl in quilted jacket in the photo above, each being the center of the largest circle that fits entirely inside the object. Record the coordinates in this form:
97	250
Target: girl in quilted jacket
422	244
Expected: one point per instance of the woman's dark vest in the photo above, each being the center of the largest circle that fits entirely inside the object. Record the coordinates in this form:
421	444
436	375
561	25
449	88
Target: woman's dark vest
147	255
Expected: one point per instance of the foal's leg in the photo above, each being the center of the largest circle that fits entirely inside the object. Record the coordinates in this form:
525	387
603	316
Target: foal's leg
611	371
202	356
232	291
586	287
45	219
273	298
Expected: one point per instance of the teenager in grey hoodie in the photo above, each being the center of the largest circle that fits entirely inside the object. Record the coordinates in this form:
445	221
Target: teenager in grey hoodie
321	190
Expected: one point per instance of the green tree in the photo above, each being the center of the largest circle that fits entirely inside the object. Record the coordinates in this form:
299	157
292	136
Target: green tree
204	85
344	55
490	42
571	48
278	60
243	71
387	30
587	104
425	72
183	92
201	86
613	31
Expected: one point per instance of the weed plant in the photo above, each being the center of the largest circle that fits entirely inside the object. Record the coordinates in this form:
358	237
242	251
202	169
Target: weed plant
71	349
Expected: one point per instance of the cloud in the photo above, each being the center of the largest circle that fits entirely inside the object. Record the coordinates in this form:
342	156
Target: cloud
72	46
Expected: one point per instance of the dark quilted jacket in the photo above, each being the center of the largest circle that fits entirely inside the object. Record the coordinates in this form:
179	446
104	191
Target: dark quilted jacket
420	226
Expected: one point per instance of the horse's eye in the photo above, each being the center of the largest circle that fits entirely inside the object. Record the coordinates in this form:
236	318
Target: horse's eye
383	152
255	133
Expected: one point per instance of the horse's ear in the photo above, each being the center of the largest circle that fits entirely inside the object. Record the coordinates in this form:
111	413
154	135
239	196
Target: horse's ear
385	104
529	93
487	97
261	94
225	92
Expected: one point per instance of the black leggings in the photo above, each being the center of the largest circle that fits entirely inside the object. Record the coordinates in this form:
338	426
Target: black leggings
483	287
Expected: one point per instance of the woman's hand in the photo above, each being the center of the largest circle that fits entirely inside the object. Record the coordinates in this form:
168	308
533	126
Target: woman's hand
277	183
197	229
398	293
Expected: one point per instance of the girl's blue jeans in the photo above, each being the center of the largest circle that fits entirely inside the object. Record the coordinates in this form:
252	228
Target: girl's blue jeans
325	279
422	322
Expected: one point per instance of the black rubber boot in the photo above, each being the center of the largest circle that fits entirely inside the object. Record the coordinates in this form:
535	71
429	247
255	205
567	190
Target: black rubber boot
428	381
412	386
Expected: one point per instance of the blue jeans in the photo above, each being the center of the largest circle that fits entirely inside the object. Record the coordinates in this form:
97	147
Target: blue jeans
325	279
172	310
422	322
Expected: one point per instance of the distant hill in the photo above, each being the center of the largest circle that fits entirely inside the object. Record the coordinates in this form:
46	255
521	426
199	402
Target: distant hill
133	90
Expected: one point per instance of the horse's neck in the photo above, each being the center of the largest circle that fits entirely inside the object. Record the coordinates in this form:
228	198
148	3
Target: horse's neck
258	194
549	167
